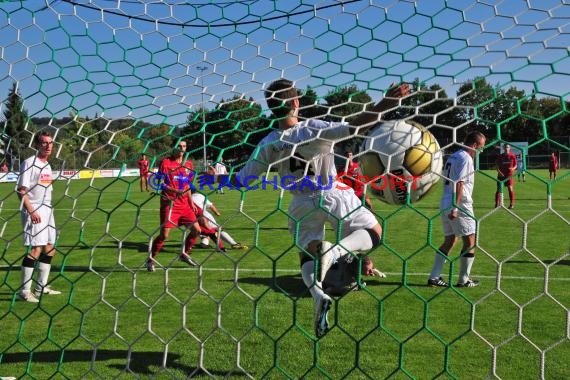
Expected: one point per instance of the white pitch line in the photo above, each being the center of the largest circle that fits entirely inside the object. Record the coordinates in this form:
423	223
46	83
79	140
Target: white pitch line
394	274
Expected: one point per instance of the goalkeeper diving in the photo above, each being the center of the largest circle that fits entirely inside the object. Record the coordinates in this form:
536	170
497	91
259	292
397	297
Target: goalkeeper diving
304	150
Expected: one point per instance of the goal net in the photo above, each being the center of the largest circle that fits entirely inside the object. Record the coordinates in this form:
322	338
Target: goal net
113	80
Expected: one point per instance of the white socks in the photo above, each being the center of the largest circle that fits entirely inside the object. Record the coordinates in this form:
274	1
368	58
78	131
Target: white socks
308	274
466	262
227	238
438	262
27	274
465	271
224	235
359	240
43	274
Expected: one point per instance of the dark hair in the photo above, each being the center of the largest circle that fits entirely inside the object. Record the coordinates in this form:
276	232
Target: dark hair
279	96
356	264
39	135
473	138
174	152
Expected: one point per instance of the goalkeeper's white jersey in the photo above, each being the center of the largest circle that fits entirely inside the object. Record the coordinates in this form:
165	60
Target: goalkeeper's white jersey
303	155
458	168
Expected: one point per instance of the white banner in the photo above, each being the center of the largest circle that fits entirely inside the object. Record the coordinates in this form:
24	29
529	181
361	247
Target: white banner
65	175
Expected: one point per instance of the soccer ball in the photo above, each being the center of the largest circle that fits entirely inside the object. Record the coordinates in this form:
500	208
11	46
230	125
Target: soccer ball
400	159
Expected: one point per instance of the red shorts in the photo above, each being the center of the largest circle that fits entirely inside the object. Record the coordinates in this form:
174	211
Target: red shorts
508	181
175	214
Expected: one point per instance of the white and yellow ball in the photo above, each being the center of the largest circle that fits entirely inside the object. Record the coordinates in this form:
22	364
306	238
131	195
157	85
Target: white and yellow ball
402	160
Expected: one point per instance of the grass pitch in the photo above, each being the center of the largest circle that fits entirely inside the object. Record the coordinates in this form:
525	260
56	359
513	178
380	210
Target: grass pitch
247	313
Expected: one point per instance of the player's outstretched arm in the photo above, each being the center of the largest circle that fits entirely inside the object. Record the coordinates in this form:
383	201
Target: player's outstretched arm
215	210
368	119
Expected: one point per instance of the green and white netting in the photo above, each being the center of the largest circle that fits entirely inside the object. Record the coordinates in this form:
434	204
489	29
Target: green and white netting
114	79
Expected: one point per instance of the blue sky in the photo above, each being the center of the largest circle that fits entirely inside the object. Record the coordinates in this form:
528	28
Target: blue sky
139	59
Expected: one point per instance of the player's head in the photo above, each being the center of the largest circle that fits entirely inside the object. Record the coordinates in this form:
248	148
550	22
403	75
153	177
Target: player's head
507	148
44	143
143	156
368	268
348	153
179	149
475	140
281	97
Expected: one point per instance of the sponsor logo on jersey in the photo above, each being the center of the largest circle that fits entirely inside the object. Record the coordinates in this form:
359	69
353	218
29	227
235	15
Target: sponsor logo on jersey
45	179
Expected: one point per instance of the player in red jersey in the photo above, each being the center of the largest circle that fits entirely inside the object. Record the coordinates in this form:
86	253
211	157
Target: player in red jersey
506	165
144	167
552	165
176	205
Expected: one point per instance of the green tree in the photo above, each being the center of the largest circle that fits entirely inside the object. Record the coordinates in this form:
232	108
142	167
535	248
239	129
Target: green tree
475	100
232	130
15	136
518	118
560	124
346	102
309	107
126	149
159	140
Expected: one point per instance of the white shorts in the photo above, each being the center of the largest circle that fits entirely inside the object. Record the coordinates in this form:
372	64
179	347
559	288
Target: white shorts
341	208
463	225
43	233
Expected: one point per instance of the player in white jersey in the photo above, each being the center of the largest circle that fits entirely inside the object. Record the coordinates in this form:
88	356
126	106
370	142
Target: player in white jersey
457	216
206	205
303	154
221	173
34	189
